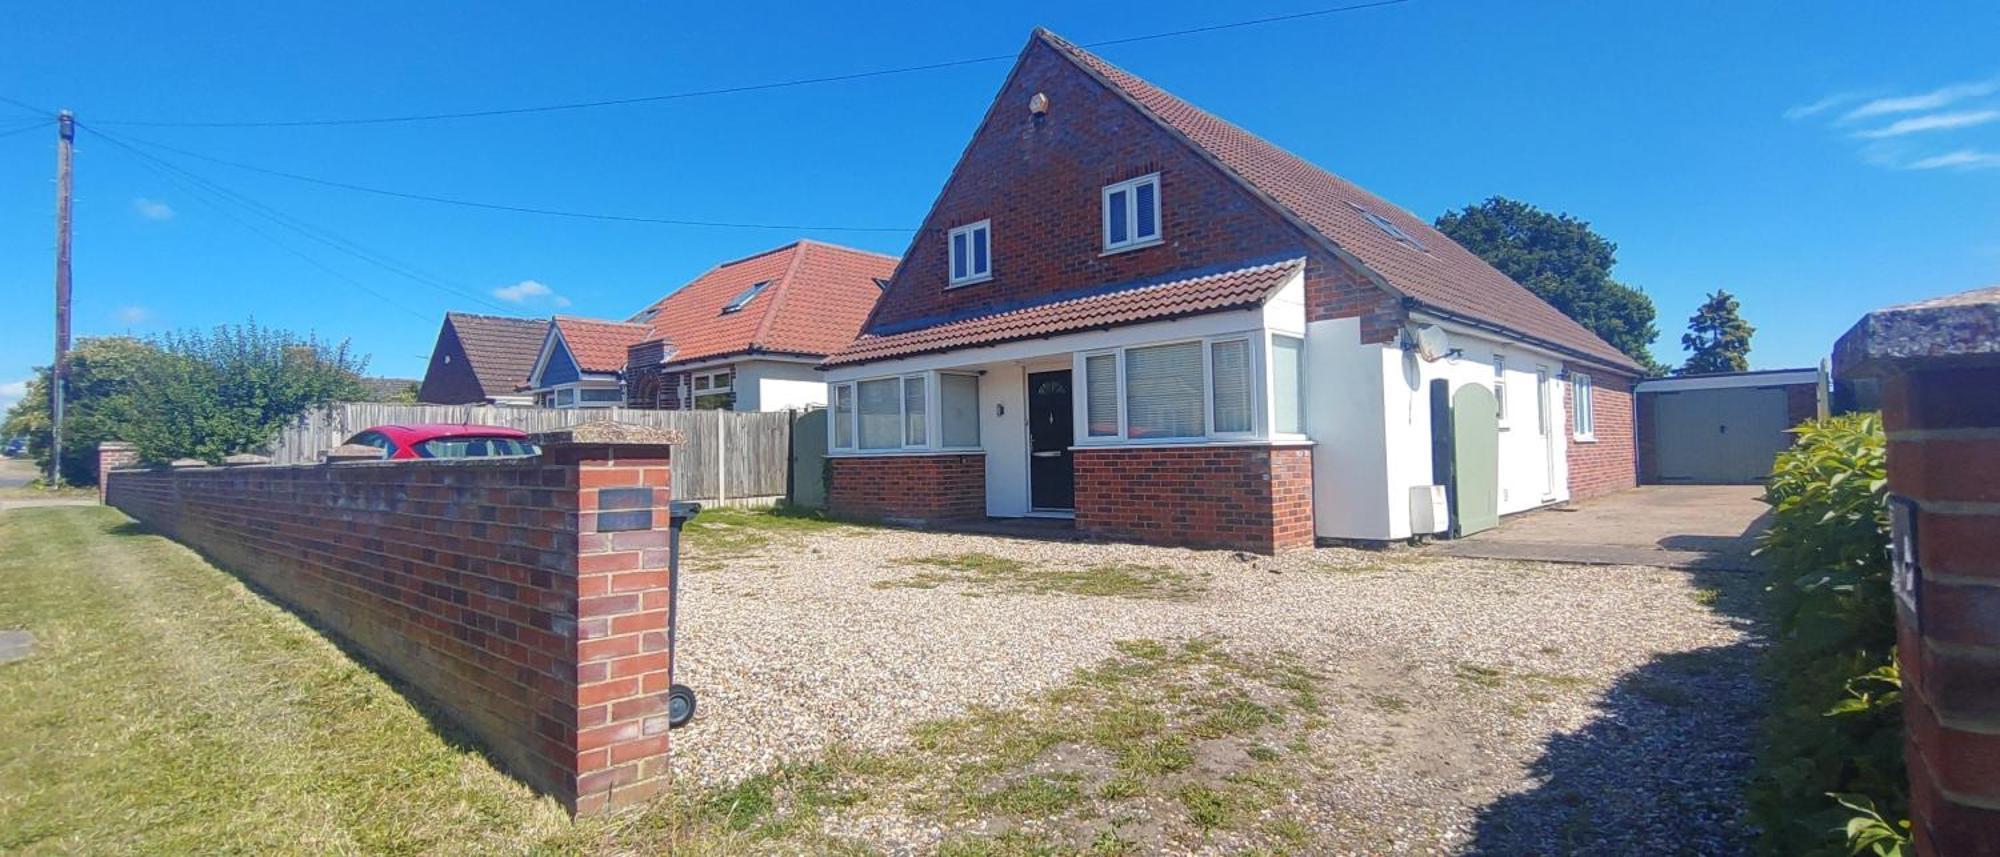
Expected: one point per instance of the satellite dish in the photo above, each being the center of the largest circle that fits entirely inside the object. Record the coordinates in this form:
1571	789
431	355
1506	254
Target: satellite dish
1432	343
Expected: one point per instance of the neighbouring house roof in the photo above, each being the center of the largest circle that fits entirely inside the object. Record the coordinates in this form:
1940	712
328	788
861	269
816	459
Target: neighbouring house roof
815	298
599	346
501	350
1243	287
1430	269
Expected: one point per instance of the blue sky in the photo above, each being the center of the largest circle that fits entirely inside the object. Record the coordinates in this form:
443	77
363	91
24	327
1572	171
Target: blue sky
1818	161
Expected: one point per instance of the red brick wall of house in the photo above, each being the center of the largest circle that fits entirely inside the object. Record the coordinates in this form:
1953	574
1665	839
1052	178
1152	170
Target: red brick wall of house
484	584
449	380
1801	403
1610	463
916	487
1040	180
1253	498
657	388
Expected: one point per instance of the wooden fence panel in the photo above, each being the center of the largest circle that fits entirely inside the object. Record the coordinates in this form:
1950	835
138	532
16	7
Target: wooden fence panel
728	457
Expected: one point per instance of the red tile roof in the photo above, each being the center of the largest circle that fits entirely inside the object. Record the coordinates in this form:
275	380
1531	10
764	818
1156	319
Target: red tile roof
599	346
1439	273
1244	287
819	294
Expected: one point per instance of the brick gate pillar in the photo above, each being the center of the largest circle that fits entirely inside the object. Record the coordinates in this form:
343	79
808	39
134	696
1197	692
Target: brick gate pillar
616	729
1938	362
111	455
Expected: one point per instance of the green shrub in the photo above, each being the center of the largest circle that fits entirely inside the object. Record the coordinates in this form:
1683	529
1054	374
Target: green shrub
1833	740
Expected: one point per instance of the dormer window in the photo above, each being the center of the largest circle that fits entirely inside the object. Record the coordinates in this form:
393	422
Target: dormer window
971	253
743	298
1132	213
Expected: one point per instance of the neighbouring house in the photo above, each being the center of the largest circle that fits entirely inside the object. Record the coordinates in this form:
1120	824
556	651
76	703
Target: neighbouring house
581	363
1723	428
1127	311
482	358
748	334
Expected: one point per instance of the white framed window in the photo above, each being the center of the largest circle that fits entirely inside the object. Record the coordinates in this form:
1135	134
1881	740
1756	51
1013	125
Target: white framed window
914	421
712	382
1500	388
971	253
1542	400
1583	422
1164	391
880	413
566	397
1132	213
843	416
958	410
1101	395
1288	384
1232	395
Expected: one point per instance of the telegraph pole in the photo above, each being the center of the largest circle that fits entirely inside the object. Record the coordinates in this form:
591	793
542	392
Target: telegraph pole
59	373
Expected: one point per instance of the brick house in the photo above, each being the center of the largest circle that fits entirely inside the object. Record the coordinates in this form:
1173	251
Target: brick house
482	359
748	334
1124	310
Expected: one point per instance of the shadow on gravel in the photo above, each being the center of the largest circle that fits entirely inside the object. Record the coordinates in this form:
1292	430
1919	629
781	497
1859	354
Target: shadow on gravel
1662	767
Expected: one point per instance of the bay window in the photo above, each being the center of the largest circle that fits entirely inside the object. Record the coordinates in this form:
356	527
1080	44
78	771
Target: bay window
843	416
895	413
1229	372
913	411
881	413
1100	383
958	410
1163	391
1173	391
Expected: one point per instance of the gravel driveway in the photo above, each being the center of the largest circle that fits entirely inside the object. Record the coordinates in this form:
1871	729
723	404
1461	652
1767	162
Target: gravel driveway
1471	705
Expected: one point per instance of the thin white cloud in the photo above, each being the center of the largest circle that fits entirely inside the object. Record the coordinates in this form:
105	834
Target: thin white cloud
1964	159
1837	99
133	314
11	392
1931	122
153	209
1942	96
530	291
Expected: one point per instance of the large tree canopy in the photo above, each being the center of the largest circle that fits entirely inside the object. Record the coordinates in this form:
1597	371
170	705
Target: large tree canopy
187	395
1563	261
1718	339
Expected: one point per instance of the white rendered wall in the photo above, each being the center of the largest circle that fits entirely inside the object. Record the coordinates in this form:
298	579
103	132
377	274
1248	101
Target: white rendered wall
773	385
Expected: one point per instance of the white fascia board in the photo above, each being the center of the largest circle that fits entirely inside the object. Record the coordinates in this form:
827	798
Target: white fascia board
1489	339
1731	381
1243	320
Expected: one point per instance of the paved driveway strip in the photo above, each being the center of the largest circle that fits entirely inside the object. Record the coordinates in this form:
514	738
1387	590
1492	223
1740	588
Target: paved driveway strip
1670	526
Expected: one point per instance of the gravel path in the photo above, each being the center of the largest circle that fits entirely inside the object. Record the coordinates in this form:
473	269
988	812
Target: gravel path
1487	705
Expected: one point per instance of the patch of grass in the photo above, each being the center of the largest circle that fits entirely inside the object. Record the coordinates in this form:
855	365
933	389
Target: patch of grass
1160	756
1479	675
1706	596
1207	808
1121	787
729	531
1234	716
982	573
1035	795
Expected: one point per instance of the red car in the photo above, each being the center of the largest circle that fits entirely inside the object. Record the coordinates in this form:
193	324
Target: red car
446	440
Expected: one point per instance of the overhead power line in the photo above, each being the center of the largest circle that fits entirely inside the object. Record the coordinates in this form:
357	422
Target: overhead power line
726	90
209	192
36	125
495	206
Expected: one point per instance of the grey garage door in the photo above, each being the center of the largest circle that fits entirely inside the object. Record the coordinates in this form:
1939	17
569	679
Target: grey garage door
1719	436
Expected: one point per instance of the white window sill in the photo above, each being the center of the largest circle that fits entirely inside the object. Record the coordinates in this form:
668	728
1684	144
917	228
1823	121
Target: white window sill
1136	245
1584	438
972	281
898	453
1191	442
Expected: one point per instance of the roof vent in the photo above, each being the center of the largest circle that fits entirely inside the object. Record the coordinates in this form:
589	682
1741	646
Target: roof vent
1390	229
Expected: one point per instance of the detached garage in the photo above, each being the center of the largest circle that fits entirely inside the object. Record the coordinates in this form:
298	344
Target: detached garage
1722	429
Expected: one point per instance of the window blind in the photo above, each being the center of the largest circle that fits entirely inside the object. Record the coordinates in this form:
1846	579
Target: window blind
1230	369
1163	391
1100	385
958	410
881	414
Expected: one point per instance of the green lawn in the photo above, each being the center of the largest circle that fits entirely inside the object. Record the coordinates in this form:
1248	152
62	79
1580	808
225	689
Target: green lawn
168	709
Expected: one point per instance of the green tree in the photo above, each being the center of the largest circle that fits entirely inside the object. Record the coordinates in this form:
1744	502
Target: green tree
186	395
102	370
1563	261
1718	339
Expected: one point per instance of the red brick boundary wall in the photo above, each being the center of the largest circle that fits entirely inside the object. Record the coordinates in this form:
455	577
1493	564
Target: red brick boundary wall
1610	463
113	455
487	585
1253	498
1939	362
908	487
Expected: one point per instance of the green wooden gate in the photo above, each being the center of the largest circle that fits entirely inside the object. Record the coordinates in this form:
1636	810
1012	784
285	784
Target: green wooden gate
807	488
1475	460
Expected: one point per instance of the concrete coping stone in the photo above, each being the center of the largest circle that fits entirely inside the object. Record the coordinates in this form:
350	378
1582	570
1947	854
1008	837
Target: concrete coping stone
244	458
116	444
603	432
186	463
353	452
1955	331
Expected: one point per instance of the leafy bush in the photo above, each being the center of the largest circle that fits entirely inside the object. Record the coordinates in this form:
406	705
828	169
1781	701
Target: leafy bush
1833	743
186	395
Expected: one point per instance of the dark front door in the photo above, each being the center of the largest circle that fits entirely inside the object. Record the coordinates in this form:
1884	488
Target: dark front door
1051	473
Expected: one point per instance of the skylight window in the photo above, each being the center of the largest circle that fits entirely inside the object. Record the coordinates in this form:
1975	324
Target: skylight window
1389	229
744	297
